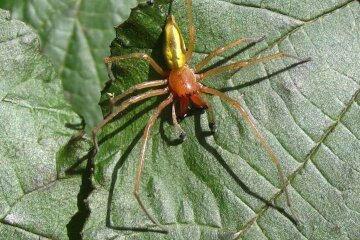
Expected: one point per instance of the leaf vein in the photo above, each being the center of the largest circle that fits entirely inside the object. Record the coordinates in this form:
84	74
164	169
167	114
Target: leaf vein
26	230
50	110
273	11
307	159
285	35
66	50
248	162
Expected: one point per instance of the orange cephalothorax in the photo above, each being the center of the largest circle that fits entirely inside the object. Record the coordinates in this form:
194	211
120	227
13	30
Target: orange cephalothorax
182	82
184	87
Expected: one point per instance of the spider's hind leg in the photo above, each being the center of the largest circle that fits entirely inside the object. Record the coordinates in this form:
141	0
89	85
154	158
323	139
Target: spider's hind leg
146	136
259	136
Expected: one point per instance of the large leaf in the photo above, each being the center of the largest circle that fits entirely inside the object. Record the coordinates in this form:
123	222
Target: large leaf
36	201
215	186
75	35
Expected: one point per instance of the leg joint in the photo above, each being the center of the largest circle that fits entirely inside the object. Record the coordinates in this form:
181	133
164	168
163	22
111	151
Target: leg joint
136	193
145	56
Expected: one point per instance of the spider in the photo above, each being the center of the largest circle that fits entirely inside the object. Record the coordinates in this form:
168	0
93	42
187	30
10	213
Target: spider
182	85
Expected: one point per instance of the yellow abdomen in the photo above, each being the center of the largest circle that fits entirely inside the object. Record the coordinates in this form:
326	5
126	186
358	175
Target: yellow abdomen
174	47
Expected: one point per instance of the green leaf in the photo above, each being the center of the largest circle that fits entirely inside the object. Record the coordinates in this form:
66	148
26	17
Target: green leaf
35	202
75	35
212	186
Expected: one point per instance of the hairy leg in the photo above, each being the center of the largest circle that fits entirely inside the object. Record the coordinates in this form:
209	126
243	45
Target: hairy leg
180	131
261	139
220	50
136	87
123	106
146	135
143	56
247	63
191	27
210	113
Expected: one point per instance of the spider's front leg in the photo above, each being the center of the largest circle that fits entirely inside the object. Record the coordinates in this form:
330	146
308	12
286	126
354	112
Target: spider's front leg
191	44
220	50
247	63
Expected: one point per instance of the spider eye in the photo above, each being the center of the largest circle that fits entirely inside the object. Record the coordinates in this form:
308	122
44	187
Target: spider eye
174	47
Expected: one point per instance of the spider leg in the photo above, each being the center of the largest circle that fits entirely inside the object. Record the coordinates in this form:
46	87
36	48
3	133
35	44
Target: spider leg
150	60
122	107
148	126
210	114
191	32
220	50
247	63
136	87
181	132
261	139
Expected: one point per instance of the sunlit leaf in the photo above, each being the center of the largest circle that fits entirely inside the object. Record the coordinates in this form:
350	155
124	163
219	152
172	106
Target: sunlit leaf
35	201
210	186
76	35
